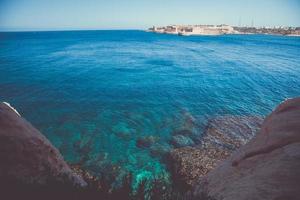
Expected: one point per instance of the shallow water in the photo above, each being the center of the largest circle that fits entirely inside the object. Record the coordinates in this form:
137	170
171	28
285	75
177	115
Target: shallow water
94	93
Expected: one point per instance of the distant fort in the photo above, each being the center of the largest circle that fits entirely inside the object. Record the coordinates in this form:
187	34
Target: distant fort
186	30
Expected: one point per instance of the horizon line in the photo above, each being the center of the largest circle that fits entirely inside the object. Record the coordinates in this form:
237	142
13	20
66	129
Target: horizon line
66	30
11	30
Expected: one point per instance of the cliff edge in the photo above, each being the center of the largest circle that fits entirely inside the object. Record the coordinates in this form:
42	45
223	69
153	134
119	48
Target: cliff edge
222	136
29	164
268	167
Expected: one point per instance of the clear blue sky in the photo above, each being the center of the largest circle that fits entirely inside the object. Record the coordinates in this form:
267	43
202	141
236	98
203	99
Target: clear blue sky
140	14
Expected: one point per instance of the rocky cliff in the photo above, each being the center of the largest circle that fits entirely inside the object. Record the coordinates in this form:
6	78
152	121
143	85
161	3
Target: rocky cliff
29	164
268	167
221	137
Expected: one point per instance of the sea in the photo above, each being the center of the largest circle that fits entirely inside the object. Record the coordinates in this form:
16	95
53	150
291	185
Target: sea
110	101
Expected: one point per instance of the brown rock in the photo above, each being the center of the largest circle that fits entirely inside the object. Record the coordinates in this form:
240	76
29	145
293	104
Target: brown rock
28	160
231	132
222	136
146	141
265	168
191	163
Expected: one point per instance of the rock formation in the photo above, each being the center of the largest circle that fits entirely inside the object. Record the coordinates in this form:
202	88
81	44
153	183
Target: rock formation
29	164
146	141
221	136
181	141
268	167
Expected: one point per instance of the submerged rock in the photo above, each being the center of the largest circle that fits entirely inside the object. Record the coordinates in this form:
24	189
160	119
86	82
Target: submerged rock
184	132
181	141
160	150
146	142
28	160
188	164
124	135
222	136
265	168
230	132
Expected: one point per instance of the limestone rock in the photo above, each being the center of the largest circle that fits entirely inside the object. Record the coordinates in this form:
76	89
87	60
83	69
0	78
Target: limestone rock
265	168
191	163
222	136
181	141
231	132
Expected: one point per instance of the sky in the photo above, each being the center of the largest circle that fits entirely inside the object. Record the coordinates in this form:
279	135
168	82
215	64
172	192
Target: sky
140	14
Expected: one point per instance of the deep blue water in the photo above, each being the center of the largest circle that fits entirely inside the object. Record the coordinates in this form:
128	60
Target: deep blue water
93	93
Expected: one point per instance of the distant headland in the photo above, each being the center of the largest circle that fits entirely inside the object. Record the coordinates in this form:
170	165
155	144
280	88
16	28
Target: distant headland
187	30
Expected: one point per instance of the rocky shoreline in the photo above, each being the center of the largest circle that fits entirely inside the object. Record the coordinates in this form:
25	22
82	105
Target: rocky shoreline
221	137
236	158
30	165
267	167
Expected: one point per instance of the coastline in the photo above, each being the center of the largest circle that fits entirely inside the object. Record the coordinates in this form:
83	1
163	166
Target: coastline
270	34
215	30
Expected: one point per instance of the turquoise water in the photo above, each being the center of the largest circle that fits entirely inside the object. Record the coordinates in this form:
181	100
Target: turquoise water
95	93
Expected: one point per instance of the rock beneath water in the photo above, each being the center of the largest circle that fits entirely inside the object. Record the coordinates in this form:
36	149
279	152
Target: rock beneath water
230	132
146	142
222	136
184	132
265	168
28	160
124	135
181	141
160	150
188	164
